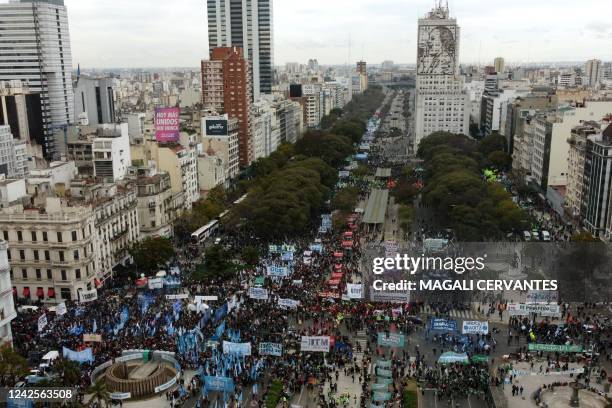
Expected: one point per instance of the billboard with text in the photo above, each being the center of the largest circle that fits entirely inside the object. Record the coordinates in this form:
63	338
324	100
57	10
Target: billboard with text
167	125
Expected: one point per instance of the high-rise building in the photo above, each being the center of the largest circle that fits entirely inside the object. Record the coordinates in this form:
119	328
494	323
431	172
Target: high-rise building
441	103
36	50
21	110
94	100
226	88
246	24
594	72
499	64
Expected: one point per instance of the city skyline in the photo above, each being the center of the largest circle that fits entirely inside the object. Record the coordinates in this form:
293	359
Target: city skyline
129	34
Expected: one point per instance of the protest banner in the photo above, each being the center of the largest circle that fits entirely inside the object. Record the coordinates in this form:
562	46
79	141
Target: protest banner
236	349
271	349
42	322
522	309
88	295
391	340
475	327
92	338
61	309
315	343
288	303
444	324
258	293
354	290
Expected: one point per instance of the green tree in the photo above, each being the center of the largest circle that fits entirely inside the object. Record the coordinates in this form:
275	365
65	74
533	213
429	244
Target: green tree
217	264
68	373
150	253
99	393
250	255
346	199
12	365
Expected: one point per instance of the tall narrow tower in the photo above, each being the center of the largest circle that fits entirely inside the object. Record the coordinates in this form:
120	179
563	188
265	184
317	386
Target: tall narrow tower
36	51
441	104
246	24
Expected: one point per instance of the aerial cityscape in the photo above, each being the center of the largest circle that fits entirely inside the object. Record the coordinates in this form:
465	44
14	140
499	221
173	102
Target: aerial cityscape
297	213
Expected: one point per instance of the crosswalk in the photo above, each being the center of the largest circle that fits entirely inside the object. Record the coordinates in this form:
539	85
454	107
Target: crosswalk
463	315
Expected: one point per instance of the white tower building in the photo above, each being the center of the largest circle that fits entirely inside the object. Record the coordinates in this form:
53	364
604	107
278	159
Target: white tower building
441	103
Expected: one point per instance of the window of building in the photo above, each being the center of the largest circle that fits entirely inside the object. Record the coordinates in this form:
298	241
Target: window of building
65	294
38	274
64	275
45	238
74	236
61	256
76	255
47	256
34	236
19	236
36	255
5	234
59	236
49	274
24	274
22	254
77	272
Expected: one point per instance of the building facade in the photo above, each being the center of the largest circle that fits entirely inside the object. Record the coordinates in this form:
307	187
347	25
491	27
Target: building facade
155	205
94	100
441	103
227	66
246	24
7	304
37	40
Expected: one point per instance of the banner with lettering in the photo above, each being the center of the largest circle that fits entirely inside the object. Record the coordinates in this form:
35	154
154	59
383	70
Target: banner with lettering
315	343
258	293
475	327
271	349
237	349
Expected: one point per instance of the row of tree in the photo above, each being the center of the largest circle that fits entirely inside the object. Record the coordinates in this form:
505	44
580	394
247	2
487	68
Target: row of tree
290	188
463	200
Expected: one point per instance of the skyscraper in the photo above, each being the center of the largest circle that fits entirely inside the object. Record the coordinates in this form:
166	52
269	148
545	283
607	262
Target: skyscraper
226	88
441	103
499	64
36	50
594	72
246	24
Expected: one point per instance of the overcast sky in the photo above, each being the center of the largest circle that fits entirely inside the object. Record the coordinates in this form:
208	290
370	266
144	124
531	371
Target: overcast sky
162	33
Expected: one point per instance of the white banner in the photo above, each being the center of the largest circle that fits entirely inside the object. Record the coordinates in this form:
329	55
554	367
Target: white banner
61	309
238	349
179	296
156	283
42	322
390	297
88	295
475	327
354	290
201	299
542	296
315	343
288	303
258	293
521	309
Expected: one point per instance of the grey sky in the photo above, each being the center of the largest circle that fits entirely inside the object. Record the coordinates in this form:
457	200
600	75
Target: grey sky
159	33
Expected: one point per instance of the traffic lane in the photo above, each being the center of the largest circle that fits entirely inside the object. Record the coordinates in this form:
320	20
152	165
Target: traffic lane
431	400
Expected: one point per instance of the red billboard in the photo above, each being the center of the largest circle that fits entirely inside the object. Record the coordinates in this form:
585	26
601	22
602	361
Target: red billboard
167	125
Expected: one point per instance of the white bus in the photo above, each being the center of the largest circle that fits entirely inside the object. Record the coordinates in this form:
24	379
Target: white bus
207	231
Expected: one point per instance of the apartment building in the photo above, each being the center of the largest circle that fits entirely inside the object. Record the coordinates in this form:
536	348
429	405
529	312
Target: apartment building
576	162
7	304
156	210
52	250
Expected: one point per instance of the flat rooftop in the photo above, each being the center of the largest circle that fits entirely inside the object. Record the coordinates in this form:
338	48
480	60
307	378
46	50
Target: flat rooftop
376	207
